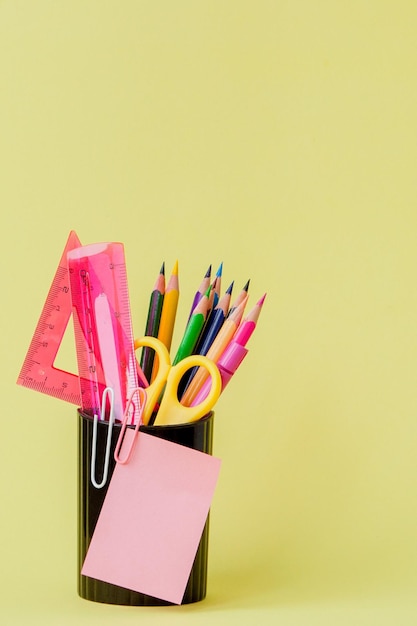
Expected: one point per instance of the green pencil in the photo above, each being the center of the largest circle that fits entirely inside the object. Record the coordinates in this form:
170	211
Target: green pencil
193	329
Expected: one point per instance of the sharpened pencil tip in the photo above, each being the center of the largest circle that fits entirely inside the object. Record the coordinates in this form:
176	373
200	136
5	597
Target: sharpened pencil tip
175	269
220	270
230	287
261	300
208	273
246	287
162	270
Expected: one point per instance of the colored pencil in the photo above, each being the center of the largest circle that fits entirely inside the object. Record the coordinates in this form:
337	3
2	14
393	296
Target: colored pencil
210	332
169	309
218	346
217	285
240	297
211	299
204	285
193	329
248	324
153	321
214	322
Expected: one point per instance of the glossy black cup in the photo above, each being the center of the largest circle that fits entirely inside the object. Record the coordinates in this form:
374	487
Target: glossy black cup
197	435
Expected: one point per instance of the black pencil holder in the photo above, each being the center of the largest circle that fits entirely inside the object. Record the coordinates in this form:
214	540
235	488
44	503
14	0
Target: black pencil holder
197	435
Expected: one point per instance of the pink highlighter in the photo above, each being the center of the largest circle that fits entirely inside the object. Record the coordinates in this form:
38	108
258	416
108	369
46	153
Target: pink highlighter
227	364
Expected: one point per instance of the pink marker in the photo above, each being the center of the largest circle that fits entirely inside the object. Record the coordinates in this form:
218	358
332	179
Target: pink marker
235	352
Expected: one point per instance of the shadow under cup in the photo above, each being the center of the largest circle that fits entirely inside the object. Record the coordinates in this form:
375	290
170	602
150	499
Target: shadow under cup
197	435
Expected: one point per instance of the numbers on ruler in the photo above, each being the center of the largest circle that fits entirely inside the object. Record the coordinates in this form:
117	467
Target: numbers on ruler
38	370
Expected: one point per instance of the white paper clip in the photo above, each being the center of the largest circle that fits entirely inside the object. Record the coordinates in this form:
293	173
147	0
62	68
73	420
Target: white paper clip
142	402
108	391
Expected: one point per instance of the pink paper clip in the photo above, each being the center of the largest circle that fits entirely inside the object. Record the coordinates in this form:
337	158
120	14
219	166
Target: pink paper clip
138	412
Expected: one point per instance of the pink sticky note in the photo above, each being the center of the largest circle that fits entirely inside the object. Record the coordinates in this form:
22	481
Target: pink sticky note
152	518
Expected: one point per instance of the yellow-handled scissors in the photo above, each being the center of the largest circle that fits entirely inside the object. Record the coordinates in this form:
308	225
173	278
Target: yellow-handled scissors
166	382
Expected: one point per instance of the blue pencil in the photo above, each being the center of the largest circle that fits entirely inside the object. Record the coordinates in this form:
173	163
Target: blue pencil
211	329
216	285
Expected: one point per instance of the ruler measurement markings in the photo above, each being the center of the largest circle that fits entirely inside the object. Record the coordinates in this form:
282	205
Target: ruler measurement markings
38	371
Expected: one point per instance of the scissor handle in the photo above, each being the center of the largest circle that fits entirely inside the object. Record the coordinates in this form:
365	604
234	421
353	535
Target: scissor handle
156	387
166	382
171	411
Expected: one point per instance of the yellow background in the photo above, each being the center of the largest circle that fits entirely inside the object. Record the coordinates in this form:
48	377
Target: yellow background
279	138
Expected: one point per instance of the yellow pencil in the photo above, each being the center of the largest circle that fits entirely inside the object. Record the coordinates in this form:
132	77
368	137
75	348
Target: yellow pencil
169	309
217	348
